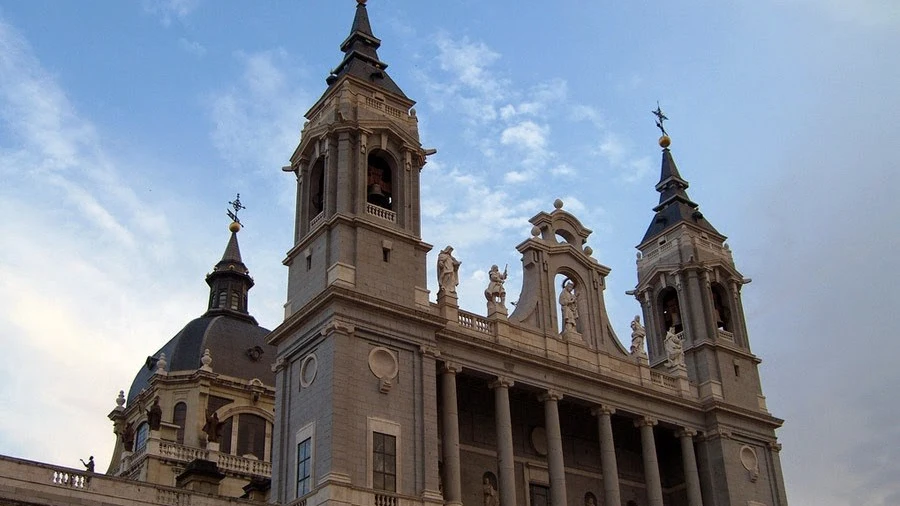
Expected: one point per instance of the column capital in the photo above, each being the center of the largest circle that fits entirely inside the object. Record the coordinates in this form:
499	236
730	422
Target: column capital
501	382
603	409
429	351
550	395
451	367
774	446
645	421
686	432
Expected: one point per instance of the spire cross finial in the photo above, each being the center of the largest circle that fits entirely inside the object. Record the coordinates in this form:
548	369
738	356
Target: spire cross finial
660	118
237	206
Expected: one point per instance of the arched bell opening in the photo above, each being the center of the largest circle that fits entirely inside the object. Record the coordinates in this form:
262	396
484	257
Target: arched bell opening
670	309
721	307
316	185
379	181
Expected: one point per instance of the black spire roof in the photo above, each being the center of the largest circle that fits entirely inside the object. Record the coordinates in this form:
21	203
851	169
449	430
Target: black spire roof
229	282
361	55
675	207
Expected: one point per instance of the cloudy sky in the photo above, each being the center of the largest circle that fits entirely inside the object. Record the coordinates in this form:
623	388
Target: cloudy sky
126	127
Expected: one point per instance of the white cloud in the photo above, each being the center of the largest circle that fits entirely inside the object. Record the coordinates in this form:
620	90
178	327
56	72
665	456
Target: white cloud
192	47
170	10
517	176
562	170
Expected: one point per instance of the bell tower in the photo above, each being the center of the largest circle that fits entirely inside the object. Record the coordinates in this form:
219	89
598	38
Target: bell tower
356	362
357	168
689	287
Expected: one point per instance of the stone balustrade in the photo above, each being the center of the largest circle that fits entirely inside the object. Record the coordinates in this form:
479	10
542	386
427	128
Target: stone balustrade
62	485
475	322
380	212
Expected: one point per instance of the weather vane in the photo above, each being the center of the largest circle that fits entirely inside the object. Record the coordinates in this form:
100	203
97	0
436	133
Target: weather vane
660	118
237	206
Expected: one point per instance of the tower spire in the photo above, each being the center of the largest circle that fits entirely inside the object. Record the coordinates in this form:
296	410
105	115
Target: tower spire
230	281
675	206
361	55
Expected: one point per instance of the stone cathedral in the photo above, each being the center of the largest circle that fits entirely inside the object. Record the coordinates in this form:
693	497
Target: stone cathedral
372	393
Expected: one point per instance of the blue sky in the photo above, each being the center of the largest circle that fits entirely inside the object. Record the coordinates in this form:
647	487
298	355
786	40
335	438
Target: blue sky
126	127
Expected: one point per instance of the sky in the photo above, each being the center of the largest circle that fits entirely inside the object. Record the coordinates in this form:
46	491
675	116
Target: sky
126	127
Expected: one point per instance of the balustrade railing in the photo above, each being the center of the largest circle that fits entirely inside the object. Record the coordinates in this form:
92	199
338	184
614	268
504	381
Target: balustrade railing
70	479
476	323
316	220
382	499
380	212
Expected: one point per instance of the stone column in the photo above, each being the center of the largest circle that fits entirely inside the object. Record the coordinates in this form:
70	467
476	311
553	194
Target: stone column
554	447
503	422
651	464
450	437
689	461
608	456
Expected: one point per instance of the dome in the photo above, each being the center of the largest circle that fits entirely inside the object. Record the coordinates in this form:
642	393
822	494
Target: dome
237	346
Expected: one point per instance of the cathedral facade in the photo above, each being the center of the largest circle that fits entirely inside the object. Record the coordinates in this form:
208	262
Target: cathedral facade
373	392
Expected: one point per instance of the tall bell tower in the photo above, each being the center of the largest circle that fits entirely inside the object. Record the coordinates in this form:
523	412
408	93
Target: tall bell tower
355	371
690	294
689	286
357	168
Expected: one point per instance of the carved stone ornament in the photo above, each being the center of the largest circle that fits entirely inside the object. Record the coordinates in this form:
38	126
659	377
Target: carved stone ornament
383	364
309	366
539	440
750	462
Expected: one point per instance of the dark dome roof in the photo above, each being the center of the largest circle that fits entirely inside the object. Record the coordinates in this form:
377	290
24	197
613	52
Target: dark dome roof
228	339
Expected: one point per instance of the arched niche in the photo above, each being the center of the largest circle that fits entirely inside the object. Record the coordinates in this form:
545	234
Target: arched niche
560	280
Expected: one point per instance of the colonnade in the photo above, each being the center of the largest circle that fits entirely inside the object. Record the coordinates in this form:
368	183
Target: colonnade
555	460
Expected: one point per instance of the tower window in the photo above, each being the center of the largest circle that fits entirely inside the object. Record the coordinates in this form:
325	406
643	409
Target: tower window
384	462
540	495
386	254
304	459
235	300
179	415
379	187
251	438
140	440
223	299
317	188
671	310
720	305
308	262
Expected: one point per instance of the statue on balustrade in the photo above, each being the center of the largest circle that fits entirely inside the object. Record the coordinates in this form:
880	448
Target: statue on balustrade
213	427
638	335
495	293
154	415
674	345
128	437
448	271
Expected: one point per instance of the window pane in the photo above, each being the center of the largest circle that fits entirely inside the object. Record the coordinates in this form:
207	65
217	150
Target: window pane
390	445
390	483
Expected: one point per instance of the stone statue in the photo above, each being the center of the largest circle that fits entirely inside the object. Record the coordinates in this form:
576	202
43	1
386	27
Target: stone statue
490	492
495	292
590	500
89	465
674	348
128	437
568	303
154	415
447	271
638	334
213	427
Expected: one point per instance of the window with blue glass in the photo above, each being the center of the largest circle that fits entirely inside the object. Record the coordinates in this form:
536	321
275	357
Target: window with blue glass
304	462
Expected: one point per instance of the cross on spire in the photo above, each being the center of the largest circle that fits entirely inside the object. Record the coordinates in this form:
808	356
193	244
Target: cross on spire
237	206
660	118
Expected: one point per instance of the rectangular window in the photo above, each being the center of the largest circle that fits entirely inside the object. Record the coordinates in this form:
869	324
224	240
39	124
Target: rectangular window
304	461
384	462
540	495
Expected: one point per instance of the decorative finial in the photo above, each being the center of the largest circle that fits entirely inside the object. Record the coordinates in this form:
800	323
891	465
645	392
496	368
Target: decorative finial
237	206
206	360
120	401
161	364
361	2
664	140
